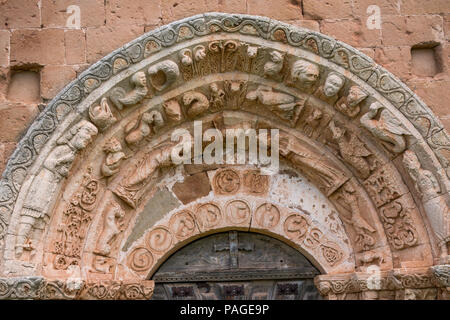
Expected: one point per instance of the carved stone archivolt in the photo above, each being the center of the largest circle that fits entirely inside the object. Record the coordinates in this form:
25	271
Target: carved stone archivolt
365	164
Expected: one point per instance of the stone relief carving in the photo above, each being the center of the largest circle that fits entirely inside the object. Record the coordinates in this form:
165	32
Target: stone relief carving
160	239
217	100
131	186
329	177
114	157
227	181
141	259
113	224
208	215
196	103
235	92
305	74
173	110
76	219
223	51
101	115
182	224
274	65
330	89
119	96
267	215
36	208
282	104
425	181
163	74
387	128
398	224
352	150
350	104
255	183
238	211
332	253
364	231
383	186
296	227
143	126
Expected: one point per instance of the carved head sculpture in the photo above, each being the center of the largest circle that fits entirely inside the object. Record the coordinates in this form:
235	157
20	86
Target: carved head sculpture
252	51
113	145
139	79
337	131
355	95
305	72
333	84
82	134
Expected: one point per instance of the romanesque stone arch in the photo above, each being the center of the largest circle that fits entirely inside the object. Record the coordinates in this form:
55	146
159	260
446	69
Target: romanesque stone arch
91	203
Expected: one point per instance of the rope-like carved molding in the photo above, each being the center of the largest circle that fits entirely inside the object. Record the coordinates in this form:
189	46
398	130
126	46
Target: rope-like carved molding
39	288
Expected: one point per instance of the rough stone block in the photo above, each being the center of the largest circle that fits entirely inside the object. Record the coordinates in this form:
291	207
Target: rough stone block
54	13
396	60
54	78
434	93
103	40
425	6
24	87
352	32
193	187
172	10
75	42
281	10
324	9
19	14
14	119
41	47
412	30
307	24
6	149
387	7
137	12
4	48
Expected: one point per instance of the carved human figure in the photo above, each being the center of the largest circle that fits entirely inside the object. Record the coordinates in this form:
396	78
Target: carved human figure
217	99
330	89
349	105
363	230
112	226
425	182
313	122
329	177
353	150
281	103
114	157
120	98
141	127
274	65
435	207
101	115
388	128
306	74
36	208
131	187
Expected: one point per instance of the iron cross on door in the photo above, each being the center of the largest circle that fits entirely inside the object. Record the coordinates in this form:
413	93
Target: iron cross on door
234	246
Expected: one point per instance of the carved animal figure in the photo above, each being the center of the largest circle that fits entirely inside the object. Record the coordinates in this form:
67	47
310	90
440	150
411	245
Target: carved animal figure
120	98
274	65
353	151
111	228
388	128
173	110
196	103
101	115
349	105
141	128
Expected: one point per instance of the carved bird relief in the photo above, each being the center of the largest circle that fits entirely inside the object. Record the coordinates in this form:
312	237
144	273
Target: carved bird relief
388	128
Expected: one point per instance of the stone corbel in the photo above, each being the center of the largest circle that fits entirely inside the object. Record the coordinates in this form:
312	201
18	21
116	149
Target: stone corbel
39	288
